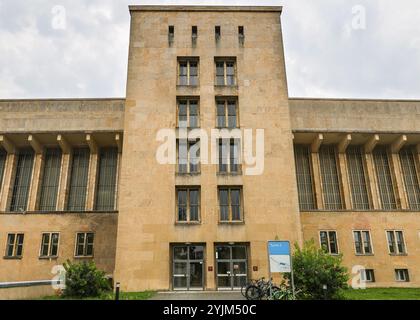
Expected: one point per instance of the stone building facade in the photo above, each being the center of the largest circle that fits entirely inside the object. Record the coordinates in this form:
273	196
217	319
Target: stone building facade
82	179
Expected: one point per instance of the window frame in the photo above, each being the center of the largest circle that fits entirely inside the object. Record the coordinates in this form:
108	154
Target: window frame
364	272
190	143
188	60
363	253
395	243
49	256
188	101
226	101
329	241
188	189
405	272
15	245
230	212
225	61
84	245
230	161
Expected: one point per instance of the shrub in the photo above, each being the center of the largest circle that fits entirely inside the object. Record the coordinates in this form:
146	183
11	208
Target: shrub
84	280
313	269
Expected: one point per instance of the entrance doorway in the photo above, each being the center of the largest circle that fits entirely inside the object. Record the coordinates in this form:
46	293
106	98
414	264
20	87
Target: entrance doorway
188	267
232	266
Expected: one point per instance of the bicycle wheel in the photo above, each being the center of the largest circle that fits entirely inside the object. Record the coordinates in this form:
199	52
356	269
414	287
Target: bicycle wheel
253	293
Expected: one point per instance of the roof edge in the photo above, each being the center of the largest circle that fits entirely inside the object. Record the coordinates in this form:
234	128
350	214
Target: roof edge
350	99
205	8
62	99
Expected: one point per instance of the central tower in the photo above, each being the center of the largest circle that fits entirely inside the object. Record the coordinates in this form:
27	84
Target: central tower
204	226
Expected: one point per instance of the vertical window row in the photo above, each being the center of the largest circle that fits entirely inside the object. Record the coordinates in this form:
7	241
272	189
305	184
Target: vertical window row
22	181
384	178
107	179
78	180
357	178
330	178
50	179
304	177
411	180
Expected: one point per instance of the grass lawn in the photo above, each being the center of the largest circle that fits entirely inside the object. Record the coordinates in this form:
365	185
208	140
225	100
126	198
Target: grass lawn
383	294
111	296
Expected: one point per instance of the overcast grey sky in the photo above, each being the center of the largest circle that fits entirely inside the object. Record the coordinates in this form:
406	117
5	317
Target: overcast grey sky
330	50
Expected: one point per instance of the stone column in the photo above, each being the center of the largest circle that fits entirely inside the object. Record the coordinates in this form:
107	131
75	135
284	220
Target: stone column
400	193
317	181
9	174
65	172
342	160
93	172
371	182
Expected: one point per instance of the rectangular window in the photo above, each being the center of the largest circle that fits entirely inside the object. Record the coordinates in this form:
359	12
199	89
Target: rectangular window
304	177
171	34
357	178
188	71
396	243
188	204
411	180
3	157
78	179
188	156
401	275
241	34
384	177
49	245
367	275
14	246
84	244
107	179
188	113
225	71
217	32
50	180
330	178
362	242
230	200
229	155
22	183
194	32
227	113
328	241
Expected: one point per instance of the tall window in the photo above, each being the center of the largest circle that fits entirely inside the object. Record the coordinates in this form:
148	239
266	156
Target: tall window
401	275
304	177
330	178
188	204
14	246
396	243
357	178
188	113
84	244
188	156
49	245
384	177
225	72
227	113
50	180
107	179
362	242
411	180
188	71
78	179
328	241
22	183
230	204
229	153
3	157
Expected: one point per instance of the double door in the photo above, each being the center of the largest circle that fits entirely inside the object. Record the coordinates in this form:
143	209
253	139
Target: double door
188	267
231	266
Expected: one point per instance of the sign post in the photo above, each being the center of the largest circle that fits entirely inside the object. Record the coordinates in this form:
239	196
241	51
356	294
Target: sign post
280	259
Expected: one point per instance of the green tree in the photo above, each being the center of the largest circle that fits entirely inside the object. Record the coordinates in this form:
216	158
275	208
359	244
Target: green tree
317	274
84	280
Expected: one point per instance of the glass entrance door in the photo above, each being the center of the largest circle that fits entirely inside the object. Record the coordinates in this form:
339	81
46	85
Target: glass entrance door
188	267
232	266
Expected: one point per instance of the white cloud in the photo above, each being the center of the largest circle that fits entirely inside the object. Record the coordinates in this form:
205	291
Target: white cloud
325	56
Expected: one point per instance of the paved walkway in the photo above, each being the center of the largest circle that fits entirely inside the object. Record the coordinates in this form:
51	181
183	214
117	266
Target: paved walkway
198	295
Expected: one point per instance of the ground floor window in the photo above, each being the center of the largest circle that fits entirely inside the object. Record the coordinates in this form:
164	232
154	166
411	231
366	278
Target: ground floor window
14	246
49	244
401	275
84	244
367	275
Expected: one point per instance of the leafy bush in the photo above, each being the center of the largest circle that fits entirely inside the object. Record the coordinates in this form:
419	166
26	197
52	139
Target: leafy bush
84	280
313	269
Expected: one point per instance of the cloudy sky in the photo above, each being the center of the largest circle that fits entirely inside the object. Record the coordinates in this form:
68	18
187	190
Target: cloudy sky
334	48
